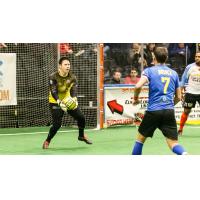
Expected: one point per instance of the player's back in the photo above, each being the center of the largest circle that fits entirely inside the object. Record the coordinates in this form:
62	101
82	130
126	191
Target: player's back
163	83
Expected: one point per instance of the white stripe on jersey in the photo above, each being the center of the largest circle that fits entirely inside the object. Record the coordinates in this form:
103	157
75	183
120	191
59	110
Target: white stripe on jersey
193	75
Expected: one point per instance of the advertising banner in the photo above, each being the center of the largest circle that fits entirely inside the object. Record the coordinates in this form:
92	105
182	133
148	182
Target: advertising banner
118	108
8	79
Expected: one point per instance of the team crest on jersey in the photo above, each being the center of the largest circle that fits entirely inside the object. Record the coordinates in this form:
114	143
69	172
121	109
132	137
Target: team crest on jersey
68	81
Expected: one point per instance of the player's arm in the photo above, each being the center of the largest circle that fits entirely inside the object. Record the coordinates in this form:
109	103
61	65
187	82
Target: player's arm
178	96
184	81
143	80
182	93
73	90
54	92
53	88
71	102
185	77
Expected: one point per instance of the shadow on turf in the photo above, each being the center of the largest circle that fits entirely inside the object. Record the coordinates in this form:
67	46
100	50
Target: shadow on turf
66	148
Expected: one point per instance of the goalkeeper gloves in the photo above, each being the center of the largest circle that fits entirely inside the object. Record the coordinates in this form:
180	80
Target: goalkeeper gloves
62	105
71	103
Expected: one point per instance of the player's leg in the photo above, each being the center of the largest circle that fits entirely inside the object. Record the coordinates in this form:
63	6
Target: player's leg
176	147
79	116
138	146
188	104
184	117
146	129
57	114
168	127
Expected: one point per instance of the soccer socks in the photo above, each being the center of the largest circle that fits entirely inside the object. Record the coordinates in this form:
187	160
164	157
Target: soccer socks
81	132
184	117
53	130
179	150
137	150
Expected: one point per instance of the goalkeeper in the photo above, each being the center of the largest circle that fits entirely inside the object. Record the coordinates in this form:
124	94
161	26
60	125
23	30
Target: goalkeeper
62	98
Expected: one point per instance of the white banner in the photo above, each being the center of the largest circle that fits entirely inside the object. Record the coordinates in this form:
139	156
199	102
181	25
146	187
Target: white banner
118	108
8	79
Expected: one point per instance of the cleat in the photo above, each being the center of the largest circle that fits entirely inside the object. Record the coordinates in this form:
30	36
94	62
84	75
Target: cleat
180	132
85	139
45	145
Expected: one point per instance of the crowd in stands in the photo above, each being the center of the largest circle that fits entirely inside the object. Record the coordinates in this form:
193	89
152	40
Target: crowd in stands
127	60
124	62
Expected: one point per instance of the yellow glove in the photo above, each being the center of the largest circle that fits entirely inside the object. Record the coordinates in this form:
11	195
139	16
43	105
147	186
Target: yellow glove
62	105
71	103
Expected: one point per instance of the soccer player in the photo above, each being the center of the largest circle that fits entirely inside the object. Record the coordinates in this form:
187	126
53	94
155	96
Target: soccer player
63	84
164	91
190	85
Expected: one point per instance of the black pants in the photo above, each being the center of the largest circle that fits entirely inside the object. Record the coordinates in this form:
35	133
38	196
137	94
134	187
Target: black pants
57	115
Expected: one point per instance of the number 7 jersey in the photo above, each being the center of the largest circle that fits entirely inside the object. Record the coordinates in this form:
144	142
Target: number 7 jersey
163	83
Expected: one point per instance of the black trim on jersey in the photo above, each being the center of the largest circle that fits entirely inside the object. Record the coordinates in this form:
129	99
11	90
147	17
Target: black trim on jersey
53	88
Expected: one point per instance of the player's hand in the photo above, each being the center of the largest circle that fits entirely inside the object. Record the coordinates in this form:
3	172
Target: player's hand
136	101
62	105
70	102
182	95
76	101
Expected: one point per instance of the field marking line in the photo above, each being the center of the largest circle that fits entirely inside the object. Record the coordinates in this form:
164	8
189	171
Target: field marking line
67	131
32	133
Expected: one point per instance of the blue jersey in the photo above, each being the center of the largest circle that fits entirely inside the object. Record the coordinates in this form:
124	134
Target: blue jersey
163	83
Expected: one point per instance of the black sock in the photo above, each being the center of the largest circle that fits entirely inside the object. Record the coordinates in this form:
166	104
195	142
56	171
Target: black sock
52	132
81	132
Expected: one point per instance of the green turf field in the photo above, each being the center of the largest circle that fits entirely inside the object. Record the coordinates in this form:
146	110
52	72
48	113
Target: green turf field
110	141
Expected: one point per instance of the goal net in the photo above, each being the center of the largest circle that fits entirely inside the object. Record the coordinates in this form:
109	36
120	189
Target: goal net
35	62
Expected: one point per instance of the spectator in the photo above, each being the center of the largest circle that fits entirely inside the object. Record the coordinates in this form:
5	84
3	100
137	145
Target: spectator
148	54
133	77
192	47
65	48
134	57
179	55
116	79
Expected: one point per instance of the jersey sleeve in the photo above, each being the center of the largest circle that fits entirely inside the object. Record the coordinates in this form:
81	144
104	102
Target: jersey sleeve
73	91
53	87
177	83
185	76
146	74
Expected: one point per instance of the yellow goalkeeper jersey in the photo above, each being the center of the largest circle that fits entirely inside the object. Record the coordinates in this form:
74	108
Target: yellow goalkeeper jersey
61	87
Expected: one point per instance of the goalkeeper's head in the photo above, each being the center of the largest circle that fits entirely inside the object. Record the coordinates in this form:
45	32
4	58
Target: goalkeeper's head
64	66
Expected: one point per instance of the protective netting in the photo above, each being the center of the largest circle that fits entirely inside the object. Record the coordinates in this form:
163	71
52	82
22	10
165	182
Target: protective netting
83	58
35	62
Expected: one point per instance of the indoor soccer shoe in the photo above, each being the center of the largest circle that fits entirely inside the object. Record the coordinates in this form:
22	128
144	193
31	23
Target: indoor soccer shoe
85	139
45	145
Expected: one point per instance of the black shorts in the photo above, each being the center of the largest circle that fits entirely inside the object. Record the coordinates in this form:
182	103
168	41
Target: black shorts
190	100
57	115
162	119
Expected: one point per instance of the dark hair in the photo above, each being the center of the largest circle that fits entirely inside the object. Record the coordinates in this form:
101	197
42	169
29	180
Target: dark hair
115	71
161	54
62	59
134	68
